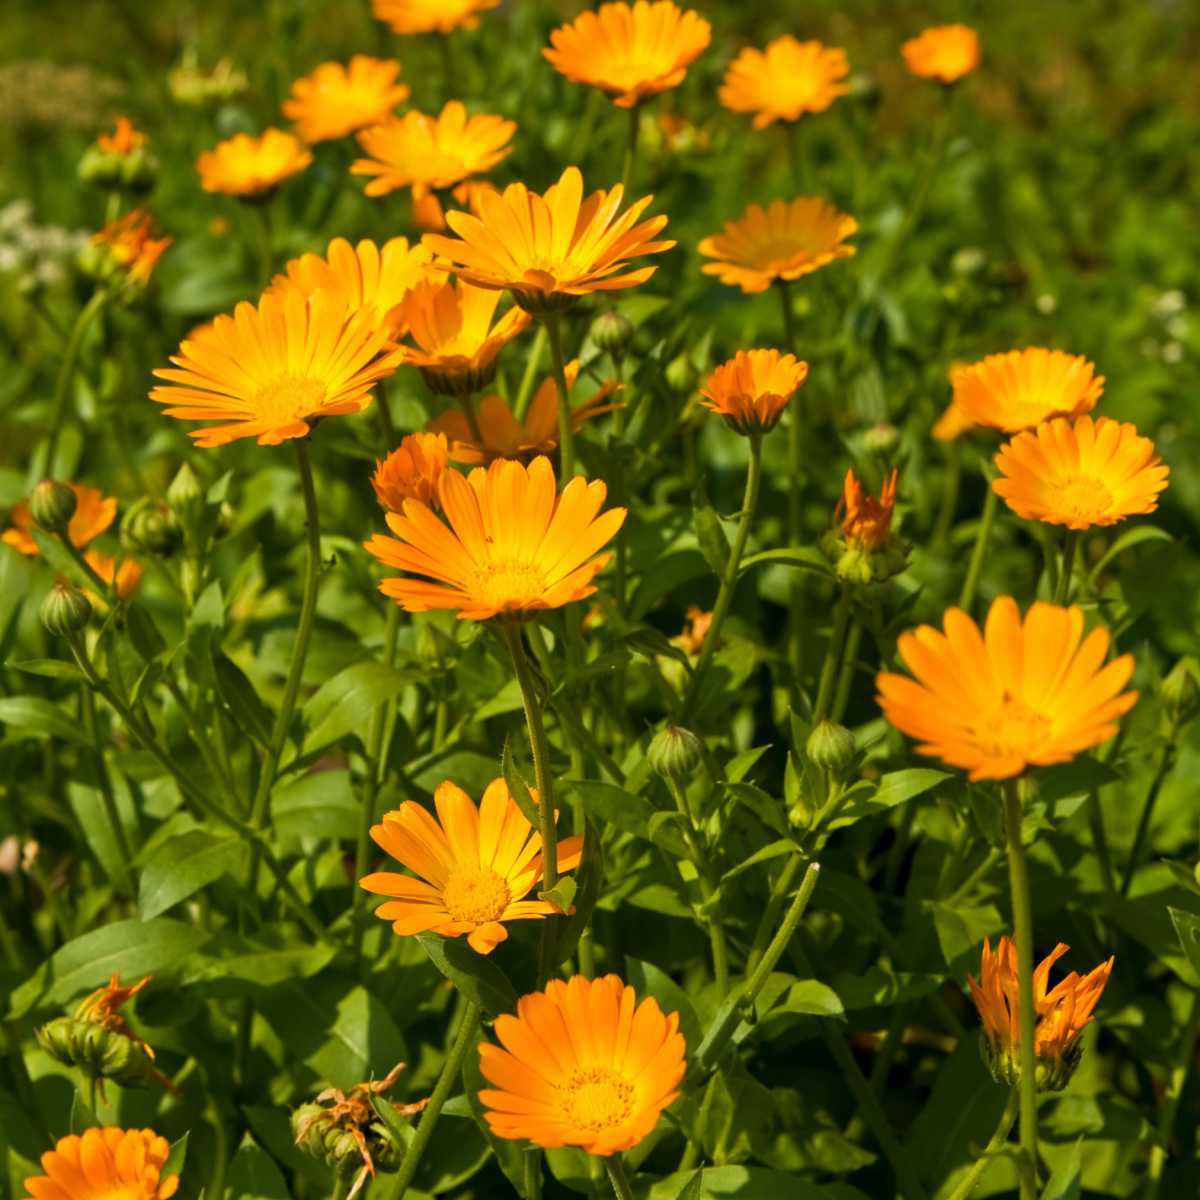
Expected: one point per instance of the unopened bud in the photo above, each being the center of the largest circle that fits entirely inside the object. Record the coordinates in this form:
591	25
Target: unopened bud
675	753
184	495
612	332
879	439
52	505
98	1052
149	527
66	610
831	747
1180	692
680	374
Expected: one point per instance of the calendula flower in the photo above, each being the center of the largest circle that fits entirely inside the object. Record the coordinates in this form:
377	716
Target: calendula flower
867	521
94	513
630	51
690	639
752	389
105	1164
424	152
128	574
1062	1013
336	100
567	246
475	866
1022	388
582	1064
786	80
250	167
1019	694
411	471
428	214
945	53
128	247
785	240
952	424
124	140
510	545
430	16
501	435
274	368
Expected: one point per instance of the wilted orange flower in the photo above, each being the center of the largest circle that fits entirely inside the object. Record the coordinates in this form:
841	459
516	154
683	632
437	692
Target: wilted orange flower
785	81
251	166
583	1064
94	513
335	100
1062	1013
424	152
629	51
501	435
866	521
1080	474
411	471
690	639
106	1164
131	244
510	545
271	370
124	140
475	866
785	240
567	247
752	389
945	53
1022	388
430	16
1020	694
103	1007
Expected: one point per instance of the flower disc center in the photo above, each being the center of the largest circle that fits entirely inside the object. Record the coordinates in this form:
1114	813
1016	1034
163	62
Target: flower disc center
508	585
289	396
1012	729
597	1098
475	894
1083	497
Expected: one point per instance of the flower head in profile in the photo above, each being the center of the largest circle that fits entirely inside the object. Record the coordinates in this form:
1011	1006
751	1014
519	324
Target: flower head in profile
412	471
582	1064
786	80
251	167
125	140
752	389
945	53
1062	1013
1019	693
424	152
567	246
510	545
94	513
863	547
129	248
1022	388
104	1164
1080	474
630	51
273	369
952	424
430	16
474	866
785	240
336	100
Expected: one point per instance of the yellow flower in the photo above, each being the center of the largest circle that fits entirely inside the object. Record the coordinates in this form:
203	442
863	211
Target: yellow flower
106	1164
335	100
430	16
783	241
1022	388
252	166
124	140
752	389
475	866
131	246
945	53
630	51
952	424
411	471
866	521
785	81
94	513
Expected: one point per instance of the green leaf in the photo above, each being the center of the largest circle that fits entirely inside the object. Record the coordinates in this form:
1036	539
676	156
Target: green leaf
1067	1181
588	878
1137	536
321	804
804	558
747	1183
234	965
895	788
184	865
143	633
1187	926
49	668
518	789
238	695
561	895
710	535
648	980
477	977
33	717
343	705
612	806
82	1116
176	1157
253	1174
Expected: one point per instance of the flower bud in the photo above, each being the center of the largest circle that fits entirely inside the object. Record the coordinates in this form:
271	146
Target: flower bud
680	374
1180	692
184	495
150	528
612	332
98	1052
52	505
831	747
675	753
879	439
65	610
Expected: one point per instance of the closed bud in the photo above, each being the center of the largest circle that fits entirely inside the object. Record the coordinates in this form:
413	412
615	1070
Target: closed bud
184	495
879	439
66	610
831	747
139	171
680	374
52	505
612	332
675	753
149	527
98	1052
1180	692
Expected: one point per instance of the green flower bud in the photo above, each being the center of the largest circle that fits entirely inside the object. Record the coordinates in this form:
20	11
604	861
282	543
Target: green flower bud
52	505
98	1052
185	496
831	747
138	171
319	1132
612	332
150	528
879	439
680	374
98	167
675	753
65	610
1180	692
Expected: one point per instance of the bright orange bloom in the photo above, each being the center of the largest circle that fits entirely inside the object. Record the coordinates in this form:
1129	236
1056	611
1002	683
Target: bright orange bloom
1022	388
271	370
94	513
583	1064
501	435
1080	474
510	545
752	389
131	244
251	166
783	241
411	471
548	250
424	152
1020	694
429	215
632	52
430	16
336	100
952	424
106	1164
475	866
129	573
945	53
690	639
124	140
866	521
786	80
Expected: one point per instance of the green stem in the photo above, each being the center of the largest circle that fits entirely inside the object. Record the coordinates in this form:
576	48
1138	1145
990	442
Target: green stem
795	511
950	483
846	679
529	377
798	160
631	149
833	656
88	704
774	906
467	403
566	437
1070	544
66	373
618	1178
983	535
1003	1129
266	254
1165	763
1174	1094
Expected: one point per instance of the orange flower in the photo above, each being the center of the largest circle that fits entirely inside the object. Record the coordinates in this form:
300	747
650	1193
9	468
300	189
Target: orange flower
475	866
510	544
106	1164
690	638
424	152
271	370
785	81
583	1064
867	522
129	573
548	250
1079	475
429	215
1023	388
132	248
1020	694
94	513
633	51
335	100
783	241
952	424
752	389
945	53
430	16
103	1007
411	471
1062	1013
252	166
124	140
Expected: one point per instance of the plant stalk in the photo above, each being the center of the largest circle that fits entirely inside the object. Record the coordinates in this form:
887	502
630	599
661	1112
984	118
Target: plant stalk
66	373
983	535
566	436
1003	1129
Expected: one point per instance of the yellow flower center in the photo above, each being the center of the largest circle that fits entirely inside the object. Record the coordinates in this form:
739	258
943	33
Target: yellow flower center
1083	497
1011	729
475	894
507	585
597	1098
289	396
